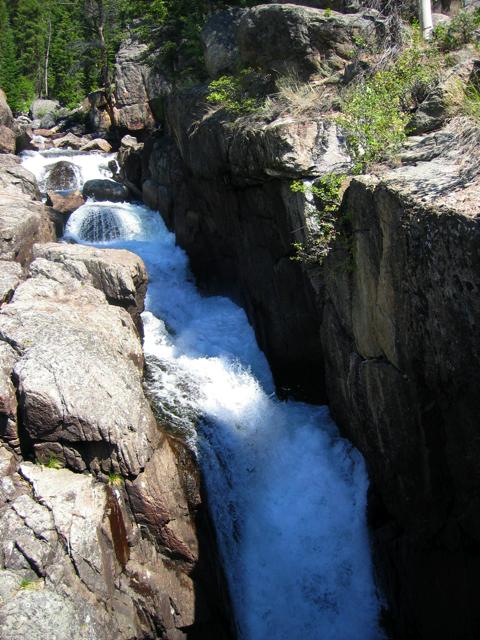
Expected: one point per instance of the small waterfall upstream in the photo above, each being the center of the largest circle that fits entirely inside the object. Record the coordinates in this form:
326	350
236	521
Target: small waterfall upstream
286	492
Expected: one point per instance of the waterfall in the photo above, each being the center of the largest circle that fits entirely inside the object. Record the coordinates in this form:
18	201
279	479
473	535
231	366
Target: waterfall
286	492
89	166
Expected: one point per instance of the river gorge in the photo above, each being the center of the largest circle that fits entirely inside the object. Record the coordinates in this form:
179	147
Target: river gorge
268	465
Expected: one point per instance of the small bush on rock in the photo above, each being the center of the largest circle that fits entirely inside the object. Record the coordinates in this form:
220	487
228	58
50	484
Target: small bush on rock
462	30
232	93
377	109
324	198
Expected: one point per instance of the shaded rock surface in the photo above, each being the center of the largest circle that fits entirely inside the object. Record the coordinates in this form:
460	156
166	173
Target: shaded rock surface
15	179
302	40
105	190
385	329
22	224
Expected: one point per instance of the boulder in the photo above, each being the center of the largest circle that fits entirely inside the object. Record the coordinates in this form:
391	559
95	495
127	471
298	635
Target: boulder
6	118
286	39
48	121
219	39
130	142
24	139
138	89
98	144
105	190
7	140
22	224
65	203
62	176
10	278
41	108
70	141
79	377
15	179
119	274
46	133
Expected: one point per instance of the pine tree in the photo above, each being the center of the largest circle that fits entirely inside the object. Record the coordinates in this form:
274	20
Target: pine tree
65	70
30	36
8	59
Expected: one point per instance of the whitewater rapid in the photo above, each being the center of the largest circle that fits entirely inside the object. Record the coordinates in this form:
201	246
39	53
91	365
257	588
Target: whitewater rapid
287	494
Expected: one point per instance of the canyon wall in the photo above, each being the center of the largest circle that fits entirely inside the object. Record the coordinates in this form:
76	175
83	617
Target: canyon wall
385	329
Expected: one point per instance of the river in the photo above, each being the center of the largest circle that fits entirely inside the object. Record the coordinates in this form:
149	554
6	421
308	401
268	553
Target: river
286	492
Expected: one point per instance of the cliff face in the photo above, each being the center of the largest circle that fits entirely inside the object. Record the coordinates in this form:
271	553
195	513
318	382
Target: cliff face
103	528
385	330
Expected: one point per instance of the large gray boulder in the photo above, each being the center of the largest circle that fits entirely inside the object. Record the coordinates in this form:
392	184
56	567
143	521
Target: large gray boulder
15	179
68	400
41	108
22	224
119	274
286	38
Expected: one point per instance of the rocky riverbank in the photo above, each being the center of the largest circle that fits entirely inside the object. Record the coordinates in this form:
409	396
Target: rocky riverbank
104	533
385	330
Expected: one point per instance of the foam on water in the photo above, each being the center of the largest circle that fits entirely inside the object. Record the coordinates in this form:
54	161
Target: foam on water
91	166
287	494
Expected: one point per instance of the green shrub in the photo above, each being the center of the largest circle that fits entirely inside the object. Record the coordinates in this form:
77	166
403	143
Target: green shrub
232	93
51	463
326	196
115	480
471	102
460	31
376	110
29	584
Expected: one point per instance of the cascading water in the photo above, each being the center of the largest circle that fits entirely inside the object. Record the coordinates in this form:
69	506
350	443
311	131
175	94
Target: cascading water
287	494
88	166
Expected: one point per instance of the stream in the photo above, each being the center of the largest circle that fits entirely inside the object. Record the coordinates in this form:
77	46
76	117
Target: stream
287	494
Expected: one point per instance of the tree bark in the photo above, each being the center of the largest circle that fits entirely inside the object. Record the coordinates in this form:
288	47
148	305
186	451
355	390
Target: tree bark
426	22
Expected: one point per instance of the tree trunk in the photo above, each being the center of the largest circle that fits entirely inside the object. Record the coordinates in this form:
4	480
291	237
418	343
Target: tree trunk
47	56
426	23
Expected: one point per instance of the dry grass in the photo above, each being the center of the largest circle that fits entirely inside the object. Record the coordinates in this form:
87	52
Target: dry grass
301	99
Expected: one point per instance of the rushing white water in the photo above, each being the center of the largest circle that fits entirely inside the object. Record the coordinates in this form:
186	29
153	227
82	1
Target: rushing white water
287	494
90	166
